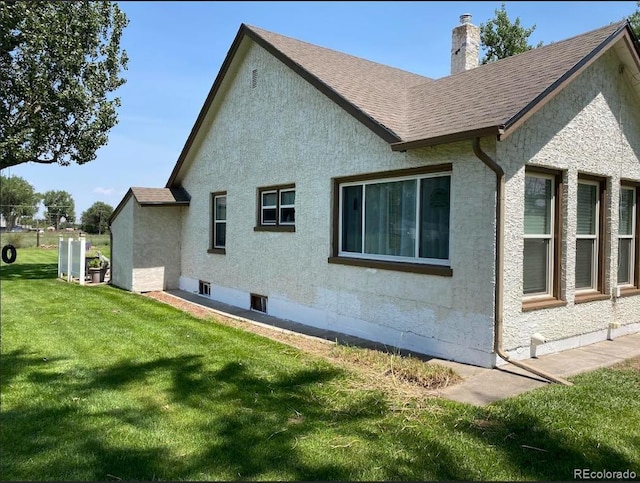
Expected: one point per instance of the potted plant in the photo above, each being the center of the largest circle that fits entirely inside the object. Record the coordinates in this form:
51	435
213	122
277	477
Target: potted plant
95	270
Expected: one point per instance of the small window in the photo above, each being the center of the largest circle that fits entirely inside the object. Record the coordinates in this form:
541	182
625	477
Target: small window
589	235
277	208
259	303
204	288
287	214
628	237
218	241
541	267
269	208
538	235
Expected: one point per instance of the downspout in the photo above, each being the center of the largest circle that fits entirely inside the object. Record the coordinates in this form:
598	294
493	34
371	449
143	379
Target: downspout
499	262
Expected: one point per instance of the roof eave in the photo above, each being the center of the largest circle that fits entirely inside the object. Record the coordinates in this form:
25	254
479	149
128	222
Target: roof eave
447	138
163	203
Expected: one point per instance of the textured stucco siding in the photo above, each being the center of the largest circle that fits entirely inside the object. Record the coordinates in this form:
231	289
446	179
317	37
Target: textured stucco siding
592	127
122	250
156	248
285	131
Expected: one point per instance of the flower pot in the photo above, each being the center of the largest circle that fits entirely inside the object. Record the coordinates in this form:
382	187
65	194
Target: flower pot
96	275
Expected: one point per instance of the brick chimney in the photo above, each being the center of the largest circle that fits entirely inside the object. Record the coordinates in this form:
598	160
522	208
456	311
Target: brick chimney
465	45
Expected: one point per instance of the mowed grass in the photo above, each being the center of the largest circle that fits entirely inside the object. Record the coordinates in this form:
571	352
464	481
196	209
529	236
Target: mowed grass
101	384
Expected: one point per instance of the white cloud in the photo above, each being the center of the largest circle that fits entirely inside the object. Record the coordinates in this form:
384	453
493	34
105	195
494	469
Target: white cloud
103	191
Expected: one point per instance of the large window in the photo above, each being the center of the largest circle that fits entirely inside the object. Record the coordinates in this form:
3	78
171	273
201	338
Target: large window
218	222
590	235
276	208
628	237
396	218
541	234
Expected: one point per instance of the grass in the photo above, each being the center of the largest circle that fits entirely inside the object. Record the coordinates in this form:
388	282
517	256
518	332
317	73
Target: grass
102	384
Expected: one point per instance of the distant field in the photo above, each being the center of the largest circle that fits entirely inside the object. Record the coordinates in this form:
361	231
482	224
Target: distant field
30	239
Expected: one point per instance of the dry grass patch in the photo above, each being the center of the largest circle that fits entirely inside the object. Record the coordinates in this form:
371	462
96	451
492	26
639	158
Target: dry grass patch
404	368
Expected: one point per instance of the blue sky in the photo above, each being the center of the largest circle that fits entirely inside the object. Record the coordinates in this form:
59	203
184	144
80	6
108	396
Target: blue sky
176	50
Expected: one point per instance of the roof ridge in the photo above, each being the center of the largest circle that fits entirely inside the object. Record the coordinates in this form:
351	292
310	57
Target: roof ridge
259	31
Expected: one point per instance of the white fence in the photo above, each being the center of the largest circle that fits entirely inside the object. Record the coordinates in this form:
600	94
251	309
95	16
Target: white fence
71	259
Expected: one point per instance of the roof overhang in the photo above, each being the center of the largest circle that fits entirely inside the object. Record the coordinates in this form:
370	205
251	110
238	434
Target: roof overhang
448	138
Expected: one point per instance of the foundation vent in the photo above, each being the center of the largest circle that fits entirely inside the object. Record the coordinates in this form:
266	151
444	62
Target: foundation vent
259	303
204	288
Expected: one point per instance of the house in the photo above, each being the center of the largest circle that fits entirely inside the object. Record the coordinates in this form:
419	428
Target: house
479	217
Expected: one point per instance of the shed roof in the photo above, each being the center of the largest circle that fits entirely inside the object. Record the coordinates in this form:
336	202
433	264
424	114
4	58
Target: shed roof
153	197
161	196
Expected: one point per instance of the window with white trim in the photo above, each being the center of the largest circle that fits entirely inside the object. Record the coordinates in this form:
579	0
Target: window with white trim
627	237
587	235
404	219
277	206
219	221
539	226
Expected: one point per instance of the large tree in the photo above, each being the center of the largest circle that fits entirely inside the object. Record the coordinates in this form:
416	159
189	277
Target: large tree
60	62
634	19
58	204
500	38
17	199
96	218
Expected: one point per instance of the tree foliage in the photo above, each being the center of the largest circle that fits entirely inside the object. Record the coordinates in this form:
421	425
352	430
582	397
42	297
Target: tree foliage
58	204
500	38
96	218
634	20
17	199
59	65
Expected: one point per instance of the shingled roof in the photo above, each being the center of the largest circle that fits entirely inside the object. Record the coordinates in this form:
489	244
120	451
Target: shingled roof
153	197
408	110
494	96
161	196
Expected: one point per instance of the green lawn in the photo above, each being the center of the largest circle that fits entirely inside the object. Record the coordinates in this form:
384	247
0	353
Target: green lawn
102	384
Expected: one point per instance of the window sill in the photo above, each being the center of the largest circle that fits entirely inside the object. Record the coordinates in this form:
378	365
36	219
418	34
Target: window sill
221	251
548	303
590	297
281	228
397	266
629	291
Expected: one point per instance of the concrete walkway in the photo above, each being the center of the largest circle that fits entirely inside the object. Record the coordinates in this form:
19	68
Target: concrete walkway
480	386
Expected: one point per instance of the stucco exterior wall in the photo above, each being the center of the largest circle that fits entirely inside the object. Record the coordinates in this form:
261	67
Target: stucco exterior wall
285	131
592	127
122	248
156	248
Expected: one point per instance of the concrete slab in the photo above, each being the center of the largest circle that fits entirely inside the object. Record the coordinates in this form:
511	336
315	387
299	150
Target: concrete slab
480	386
491	385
